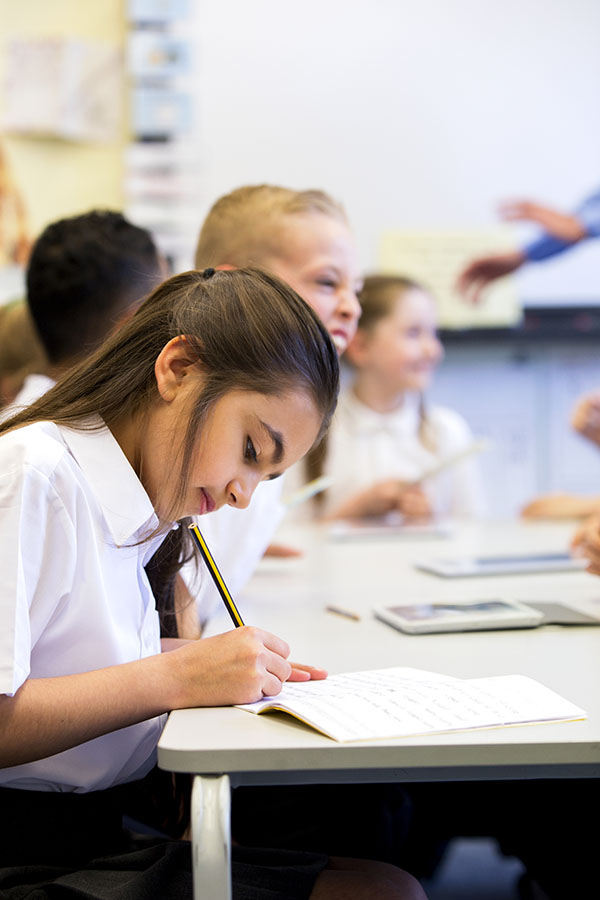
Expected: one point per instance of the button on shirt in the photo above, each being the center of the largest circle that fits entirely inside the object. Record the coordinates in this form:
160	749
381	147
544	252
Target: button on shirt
74	595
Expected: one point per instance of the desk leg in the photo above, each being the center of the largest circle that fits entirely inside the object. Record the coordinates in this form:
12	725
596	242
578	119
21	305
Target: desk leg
211	837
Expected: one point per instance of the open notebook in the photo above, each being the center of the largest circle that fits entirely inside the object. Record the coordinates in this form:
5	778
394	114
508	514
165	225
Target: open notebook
401	702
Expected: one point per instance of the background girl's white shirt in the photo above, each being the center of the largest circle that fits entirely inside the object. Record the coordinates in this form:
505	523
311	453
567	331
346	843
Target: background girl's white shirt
365	446
74	594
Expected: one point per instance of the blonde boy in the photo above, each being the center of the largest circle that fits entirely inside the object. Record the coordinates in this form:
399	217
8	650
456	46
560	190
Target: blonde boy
304	237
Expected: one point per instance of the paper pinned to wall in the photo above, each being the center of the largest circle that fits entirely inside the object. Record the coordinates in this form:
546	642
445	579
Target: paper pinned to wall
64	88
435	258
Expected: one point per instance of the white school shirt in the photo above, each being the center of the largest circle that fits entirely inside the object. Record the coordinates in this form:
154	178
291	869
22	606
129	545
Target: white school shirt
74	595
237	538
365	446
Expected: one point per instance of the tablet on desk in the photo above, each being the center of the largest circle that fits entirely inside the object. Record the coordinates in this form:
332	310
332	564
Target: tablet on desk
390	525
501	565
477	615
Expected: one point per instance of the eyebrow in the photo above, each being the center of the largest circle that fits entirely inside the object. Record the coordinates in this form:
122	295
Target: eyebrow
277	439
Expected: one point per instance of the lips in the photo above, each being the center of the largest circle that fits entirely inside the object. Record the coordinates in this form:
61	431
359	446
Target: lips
207	502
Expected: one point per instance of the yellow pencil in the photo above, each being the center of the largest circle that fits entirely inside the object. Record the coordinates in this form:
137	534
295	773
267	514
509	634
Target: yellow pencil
340	611
216	576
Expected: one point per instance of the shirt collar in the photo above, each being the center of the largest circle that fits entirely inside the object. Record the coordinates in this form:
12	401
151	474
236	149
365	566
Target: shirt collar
125	504
365	420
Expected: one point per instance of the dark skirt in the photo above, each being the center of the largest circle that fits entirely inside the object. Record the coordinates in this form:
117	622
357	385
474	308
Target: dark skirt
66	845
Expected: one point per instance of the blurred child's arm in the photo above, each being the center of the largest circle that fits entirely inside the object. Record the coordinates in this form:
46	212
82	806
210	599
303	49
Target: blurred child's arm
586	417
383	497
586	543
561	506
283	551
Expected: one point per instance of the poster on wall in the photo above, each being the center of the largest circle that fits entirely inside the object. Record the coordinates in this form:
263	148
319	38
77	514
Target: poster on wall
63	87
435	259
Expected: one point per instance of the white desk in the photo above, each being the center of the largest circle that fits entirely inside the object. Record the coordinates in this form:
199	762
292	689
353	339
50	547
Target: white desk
229	747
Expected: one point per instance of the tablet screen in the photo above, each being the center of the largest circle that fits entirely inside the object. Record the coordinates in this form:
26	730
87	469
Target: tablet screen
416	612
533	558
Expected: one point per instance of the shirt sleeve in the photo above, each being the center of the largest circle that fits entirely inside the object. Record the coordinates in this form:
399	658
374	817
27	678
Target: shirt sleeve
546	246
589	214
36	540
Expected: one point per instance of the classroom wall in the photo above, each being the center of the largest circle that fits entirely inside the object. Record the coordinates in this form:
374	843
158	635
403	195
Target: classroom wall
425	115
416	115
59	177
520	397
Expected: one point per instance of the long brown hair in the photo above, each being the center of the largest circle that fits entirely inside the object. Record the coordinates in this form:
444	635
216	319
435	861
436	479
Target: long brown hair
250	331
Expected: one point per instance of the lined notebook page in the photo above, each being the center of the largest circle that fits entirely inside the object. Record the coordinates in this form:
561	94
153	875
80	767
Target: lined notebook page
401	702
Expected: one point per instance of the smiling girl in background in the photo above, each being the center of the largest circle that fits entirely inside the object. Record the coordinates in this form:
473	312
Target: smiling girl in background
384	436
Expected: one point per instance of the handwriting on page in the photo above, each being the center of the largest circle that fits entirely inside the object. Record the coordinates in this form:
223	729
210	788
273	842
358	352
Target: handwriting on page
399	702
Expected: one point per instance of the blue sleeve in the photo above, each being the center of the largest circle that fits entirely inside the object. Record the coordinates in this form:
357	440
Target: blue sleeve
546	246
589	214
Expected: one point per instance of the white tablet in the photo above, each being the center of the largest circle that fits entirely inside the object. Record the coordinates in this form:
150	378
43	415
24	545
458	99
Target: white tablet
501	565
471	615
391	525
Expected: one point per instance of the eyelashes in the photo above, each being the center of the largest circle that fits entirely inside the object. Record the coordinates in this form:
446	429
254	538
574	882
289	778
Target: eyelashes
250	451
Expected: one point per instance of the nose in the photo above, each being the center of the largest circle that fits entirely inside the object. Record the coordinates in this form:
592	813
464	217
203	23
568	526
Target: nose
240	490
435	349
348	307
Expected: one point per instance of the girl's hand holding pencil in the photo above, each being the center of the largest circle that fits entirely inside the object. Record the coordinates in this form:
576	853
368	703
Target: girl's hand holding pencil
239	666
259	664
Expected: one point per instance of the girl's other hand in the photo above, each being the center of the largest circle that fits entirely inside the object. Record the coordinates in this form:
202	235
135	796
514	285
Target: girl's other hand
301	672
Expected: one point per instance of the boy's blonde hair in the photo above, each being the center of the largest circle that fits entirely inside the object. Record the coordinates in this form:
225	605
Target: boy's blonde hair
244	227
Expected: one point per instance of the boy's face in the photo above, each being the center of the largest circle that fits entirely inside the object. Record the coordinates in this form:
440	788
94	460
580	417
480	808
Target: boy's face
319	261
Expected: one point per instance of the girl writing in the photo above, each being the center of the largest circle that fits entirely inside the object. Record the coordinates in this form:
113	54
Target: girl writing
219	381
384	437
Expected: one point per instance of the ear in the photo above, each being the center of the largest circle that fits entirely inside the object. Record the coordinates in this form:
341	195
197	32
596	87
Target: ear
173	365
356	350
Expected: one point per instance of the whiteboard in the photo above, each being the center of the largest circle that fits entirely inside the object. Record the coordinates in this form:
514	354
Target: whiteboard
416	115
